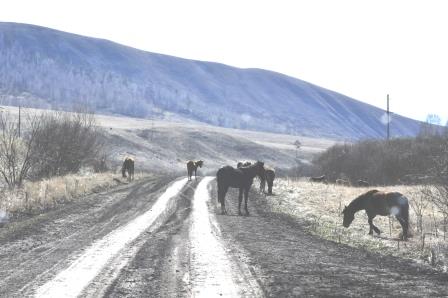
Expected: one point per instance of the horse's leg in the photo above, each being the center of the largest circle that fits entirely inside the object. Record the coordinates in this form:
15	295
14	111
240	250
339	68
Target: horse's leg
195	170
372	226
246	196
370	220
240	199
222	199
404	227
270	184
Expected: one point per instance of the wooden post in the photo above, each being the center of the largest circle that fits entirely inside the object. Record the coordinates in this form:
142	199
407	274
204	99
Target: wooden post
388	119
390	226
19	117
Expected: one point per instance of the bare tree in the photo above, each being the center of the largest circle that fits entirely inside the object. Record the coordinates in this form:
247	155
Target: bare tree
65	142
440	172
420	203
15	152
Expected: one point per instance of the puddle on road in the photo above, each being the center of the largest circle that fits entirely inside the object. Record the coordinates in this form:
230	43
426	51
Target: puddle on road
4	217
212	272
72	281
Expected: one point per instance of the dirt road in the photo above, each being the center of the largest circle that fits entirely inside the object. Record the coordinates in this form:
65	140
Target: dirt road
164	237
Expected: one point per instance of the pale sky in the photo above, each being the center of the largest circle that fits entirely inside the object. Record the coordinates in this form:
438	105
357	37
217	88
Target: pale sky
363	49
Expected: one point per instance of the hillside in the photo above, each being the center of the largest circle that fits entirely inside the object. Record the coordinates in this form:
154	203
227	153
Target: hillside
47	68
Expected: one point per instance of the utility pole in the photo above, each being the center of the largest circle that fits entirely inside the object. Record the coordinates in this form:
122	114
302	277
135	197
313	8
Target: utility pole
19	117
388	119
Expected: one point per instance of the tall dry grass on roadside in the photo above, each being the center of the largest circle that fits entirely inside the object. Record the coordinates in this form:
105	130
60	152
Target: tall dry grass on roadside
38	196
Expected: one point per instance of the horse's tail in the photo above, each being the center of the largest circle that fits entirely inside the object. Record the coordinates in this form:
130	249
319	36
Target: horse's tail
219	186
405	216
123	170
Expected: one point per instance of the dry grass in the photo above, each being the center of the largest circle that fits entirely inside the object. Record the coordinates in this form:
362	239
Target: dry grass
38	196
319	206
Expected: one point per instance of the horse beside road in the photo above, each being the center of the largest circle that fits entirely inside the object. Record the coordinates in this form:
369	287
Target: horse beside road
375	203
128	167
241	178
269	179
192	166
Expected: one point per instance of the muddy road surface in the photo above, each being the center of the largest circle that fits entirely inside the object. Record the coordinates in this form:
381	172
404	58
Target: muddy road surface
164	237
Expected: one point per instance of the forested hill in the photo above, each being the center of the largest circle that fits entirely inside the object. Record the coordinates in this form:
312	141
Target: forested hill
49	68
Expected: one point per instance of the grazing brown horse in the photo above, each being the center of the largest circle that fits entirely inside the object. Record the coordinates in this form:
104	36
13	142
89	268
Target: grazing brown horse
241	178
128	166
375	203
363	183
269	177
322	179
192	166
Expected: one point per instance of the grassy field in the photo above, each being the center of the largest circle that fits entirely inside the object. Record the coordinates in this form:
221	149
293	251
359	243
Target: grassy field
319	207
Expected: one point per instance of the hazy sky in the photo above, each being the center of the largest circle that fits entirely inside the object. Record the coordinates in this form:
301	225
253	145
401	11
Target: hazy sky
363	49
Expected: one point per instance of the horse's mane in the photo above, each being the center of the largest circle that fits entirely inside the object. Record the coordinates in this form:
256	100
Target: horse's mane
360	198
251	167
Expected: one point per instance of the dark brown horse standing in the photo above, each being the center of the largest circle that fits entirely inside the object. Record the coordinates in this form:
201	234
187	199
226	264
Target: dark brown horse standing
192	166
375	203
269	177
241	178
128	167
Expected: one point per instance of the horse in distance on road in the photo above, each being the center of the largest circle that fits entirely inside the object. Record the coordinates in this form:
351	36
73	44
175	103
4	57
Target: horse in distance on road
241	178
192	166
269	179
128	167
375	203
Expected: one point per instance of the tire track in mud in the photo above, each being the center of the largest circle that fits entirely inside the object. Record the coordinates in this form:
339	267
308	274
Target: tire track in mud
188	257
213	272
108	255
39	246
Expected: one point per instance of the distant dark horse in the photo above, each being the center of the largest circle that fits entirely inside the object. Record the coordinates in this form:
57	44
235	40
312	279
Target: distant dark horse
192	166
128	166
269	177
319	179
241	178
363	183
375	203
